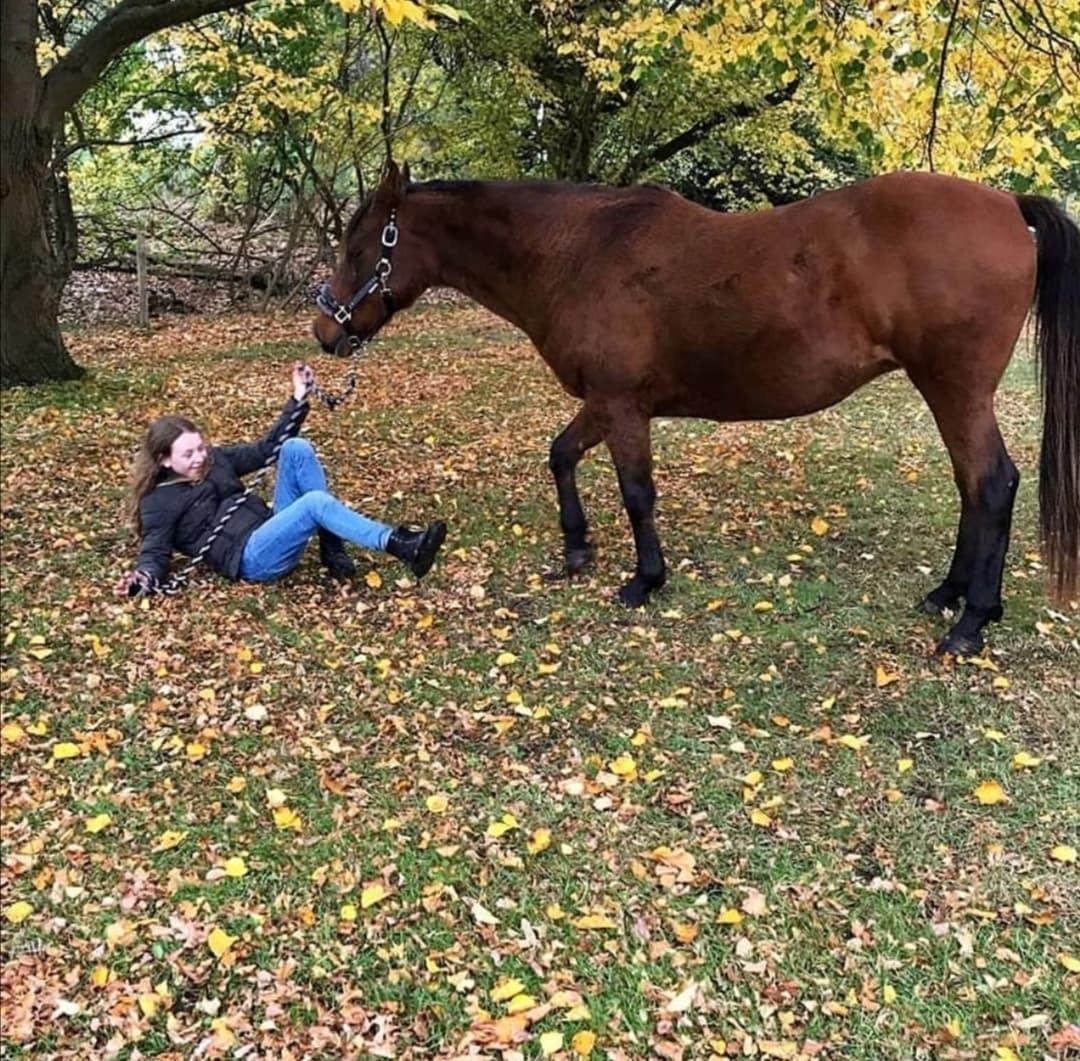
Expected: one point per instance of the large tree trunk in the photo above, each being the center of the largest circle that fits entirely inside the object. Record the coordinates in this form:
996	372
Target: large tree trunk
32	349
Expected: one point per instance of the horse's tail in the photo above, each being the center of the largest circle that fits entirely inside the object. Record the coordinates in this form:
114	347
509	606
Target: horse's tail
1057	341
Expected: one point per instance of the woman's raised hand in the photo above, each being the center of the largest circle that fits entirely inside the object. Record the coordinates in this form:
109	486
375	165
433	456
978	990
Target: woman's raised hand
303	376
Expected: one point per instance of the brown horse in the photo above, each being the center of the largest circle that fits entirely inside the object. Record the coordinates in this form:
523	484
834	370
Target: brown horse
646	305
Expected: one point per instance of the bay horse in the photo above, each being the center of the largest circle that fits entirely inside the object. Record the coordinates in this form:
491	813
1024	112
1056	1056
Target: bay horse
644	304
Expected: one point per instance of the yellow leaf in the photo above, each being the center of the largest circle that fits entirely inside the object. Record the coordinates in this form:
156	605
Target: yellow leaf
520	1003
1070	963
437	804
782	765
1063	853
372	894
882	677
1024	759
583	1043
541	841
551	1043
100	976
97	823
257	667
66	750
425	621
507	989
148	1004
623	766
196	750
594	921
888	993
373	579
235	867
904	765
219	941
1001	682
778	1048
993	734
504	659
223	1034
12	733
990	793
1005	1053
849	740
169	839
819	526
348	912
728	916
555	912
236	785
18	912
764	606
286	818
759	817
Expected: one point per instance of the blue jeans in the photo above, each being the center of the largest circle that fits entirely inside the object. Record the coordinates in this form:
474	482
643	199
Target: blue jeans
302	505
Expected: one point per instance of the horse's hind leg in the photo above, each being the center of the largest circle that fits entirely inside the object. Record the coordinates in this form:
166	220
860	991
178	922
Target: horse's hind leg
628	440
571	444
987	480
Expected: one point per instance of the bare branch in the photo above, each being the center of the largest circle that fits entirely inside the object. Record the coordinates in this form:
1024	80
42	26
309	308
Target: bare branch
130	21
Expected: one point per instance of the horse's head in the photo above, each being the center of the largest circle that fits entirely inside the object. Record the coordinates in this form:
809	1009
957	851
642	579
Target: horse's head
371	279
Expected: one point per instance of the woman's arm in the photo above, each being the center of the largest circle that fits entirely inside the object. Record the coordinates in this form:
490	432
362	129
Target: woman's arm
249	456
155	552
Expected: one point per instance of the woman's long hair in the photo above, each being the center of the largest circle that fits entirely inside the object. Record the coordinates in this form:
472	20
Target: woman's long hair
156	446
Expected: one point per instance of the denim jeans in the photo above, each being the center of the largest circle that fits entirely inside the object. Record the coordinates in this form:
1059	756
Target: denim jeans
302	505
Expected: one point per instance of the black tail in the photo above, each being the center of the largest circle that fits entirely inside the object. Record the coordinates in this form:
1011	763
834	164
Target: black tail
1057	340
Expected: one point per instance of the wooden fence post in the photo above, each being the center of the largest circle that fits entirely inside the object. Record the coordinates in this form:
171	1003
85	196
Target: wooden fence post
140	273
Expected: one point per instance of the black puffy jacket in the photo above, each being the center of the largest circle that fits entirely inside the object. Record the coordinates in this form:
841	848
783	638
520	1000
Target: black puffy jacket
180	514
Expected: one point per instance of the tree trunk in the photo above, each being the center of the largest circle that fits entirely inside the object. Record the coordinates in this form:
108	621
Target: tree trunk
32	349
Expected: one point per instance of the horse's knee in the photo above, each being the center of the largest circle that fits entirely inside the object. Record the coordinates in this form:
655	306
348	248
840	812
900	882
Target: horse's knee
562	457
639	497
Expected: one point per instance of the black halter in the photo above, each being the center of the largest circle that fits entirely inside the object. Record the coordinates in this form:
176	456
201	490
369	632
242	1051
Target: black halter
379	281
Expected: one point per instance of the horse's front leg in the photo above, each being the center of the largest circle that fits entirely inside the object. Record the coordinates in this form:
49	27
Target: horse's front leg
572	443
628	440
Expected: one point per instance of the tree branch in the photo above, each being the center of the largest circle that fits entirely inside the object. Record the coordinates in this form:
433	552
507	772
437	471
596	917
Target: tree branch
937	88
81	145
700	129
130	21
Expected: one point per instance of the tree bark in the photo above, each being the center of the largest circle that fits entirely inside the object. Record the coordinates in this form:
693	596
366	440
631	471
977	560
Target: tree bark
32	349
32	112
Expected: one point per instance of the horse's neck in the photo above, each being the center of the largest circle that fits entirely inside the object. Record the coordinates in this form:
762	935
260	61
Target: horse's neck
488	241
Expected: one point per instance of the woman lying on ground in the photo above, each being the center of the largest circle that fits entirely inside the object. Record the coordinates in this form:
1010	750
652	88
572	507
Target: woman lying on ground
182	486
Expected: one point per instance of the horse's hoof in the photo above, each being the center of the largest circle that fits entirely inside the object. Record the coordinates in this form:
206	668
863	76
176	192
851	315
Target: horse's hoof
634	594
929	606
577	560
953	644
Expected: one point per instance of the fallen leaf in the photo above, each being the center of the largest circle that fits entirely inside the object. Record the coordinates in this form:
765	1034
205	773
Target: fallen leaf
989	793
219	941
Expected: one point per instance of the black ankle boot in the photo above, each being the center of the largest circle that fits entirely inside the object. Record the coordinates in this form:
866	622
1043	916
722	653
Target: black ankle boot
333	557
417	546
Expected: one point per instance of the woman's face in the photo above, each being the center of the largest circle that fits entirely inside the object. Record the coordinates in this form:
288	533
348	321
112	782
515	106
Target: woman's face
187	456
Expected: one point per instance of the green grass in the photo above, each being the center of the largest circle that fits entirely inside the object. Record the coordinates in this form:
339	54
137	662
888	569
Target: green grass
873	877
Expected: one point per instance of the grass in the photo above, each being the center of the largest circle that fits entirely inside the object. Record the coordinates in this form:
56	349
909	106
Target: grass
898	917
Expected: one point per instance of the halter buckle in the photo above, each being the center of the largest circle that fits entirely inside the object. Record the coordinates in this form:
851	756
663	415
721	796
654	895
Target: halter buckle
342	315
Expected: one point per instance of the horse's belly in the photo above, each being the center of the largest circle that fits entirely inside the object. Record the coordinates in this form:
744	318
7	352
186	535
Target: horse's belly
771	385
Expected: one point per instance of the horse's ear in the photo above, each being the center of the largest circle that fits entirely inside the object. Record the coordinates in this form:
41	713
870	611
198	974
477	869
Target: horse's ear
393	184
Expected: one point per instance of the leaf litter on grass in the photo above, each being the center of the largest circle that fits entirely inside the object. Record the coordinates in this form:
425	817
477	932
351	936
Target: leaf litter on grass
497	815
